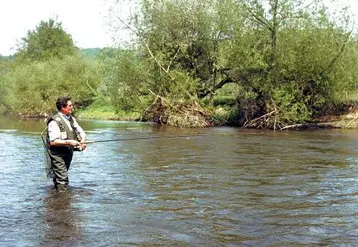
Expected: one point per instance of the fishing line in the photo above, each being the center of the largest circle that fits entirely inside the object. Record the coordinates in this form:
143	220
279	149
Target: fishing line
141	138
48	166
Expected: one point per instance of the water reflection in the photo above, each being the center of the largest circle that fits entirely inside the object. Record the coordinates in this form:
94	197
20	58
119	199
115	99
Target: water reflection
62	219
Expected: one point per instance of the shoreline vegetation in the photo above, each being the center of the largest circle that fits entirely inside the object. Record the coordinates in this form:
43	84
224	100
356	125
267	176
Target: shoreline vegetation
343	120
347	120
197	64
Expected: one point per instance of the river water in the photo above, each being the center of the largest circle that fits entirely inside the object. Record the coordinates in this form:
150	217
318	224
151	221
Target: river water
217	187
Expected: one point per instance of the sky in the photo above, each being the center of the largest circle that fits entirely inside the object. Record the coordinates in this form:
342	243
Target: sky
85	20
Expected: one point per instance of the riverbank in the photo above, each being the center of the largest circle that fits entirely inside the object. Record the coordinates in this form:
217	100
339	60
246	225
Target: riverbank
347	119
108	116
105	112
343	121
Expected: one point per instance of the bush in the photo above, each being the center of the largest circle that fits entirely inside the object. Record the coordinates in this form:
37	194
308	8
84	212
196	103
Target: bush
35	87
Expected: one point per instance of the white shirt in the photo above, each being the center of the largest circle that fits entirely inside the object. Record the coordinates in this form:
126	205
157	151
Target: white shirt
54	131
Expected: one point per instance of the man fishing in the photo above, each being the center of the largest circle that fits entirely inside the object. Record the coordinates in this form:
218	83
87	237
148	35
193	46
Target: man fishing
64	135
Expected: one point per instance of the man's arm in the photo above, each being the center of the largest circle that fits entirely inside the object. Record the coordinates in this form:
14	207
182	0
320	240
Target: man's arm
80	132
54	134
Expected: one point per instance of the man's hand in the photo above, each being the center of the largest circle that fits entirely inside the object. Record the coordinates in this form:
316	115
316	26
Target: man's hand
73	143
83	146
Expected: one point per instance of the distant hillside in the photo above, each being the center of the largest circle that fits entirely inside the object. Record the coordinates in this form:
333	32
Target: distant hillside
7	58
91	52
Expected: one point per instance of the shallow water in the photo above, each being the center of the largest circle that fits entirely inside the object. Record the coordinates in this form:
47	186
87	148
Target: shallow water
226	187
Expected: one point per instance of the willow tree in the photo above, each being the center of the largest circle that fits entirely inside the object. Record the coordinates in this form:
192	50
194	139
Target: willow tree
178	47
299	72
272	49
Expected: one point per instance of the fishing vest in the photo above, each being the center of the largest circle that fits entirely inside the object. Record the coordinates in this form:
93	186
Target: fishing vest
66	132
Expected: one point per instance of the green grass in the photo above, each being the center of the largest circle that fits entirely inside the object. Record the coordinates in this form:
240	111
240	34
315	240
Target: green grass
100	109
221	100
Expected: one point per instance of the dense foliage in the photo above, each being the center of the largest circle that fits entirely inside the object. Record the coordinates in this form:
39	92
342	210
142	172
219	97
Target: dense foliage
6	64
272	50
257	63
46	66
48	40
34	87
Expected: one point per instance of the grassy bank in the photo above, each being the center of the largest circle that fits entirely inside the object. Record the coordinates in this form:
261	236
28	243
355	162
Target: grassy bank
101	110
220	113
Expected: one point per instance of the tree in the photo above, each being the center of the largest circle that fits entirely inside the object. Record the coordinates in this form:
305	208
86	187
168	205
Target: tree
34	87
272	49
125	79
298	67
6	64
46	66
179	43
48	40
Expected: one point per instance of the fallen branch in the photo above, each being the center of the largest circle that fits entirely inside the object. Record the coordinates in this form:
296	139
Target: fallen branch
253	122
350	122
308	125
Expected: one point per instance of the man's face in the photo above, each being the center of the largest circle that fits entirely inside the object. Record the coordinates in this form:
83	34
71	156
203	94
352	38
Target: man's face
68	109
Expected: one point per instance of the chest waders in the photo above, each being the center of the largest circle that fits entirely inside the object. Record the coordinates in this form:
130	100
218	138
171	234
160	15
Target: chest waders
60	156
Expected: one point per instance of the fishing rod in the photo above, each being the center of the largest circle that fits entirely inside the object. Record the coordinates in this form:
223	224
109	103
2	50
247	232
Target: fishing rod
141	138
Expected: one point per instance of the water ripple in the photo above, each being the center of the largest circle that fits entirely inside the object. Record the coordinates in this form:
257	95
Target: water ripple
230	187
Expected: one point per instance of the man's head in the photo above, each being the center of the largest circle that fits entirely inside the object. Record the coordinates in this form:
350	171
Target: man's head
64	105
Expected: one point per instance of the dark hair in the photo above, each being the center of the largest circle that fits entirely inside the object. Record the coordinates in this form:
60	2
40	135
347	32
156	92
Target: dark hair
62	102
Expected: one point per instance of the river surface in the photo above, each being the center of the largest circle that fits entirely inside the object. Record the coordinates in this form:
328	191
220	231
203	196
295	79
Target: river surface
217	187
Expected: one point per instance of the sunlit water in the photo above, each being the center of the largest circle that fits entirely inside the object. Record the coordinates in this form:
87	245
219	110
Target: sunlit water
226	187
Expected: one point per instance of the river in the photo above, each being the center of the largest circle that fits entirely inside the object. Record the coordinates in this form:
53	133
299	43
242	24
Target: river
215	187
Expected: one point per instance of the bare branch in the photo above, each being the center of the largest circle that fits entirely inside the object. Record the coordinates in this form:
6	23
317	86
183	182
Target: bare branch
339	53
171	61
146	46
252	122
258	19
